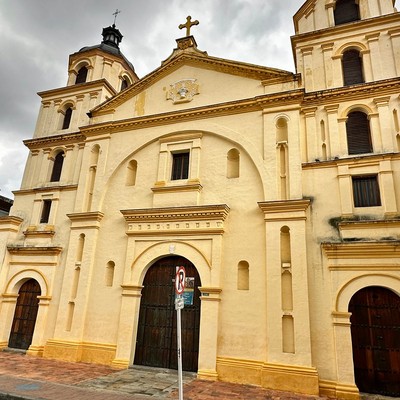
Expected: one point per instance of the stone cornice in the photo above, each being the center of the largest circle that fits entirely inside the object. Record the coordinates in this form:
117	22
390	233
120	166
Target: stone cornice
351	161
56	140
50	189
34	250
355	92
87	220
190	220
77	89
210	111
284	210
10	223
362	250
344	29
177	188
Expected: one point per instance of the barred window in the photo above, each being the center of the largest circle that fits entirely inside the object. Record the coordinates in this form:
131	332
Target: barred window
180	166
346	11
366	191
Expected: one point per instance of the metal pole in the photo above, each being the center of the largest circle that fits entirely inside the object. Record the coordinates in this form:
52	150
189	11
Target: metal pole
178	328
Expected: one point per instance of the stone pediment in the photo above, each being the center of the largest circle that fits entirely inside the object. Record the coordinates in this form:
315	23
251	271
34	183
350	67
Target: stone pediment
189	56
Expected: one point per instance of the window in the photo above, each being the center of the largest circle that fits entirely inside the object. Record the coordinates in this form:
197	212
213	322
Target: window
131	173
366	191
44	218
67	118
125	83
352	68
57	167
180	166
233	164
358	133
346	11
82	75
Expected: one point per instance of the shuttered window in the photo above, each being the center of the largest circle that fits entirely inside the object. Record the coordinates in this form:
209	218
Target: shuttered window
346	11
352	67
366	191
358	133
180	166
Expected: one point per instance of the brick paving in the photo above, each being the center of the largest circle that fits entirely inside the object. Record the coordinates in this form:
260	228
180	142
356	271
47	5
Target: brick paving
34	378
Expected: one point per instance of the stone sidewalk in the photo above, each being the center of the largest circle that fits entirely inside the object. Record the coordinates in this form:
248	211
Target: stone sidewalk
33	378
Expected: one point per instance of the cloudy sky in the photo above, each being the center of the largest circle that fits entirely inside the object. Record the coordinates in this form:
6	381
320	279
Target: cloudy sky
37	37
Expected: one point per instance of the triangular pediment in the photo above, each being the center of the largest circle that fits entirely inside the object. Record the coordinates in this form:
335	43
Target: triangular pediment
206	80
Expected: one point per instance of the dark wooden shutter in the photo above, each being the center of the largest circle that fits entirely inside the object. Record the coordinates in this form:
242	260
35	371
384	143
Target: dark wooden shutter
352	68
67	118
366	191
346	11
82	75
358	133
57	167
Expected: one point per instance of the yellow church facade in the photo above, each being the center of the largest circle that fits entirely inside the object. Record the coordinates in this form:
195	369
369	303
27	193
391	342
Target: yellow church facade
277	191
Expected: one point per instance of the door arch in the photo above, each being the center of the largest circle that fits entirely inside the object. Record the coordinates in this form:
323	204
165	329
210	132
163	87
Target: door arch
156	336
375	334
25	315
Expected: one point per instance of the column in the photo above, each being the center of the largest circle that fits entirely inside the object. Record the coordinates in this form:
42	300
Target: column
77	113
332	131
7	309
127	328
107	65
395	41
367	65
376	134
55	124
387	188
39	338
68	164
375	56
345	190
208	341
42	121
44	167
337	71
346	387
308	68
385	123
311	133
328	65
329	9
195	162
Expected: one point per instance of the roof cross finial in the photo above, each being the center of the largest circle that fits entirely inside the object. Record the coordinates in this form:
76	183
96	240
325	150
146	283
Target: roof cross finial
116	14
188	24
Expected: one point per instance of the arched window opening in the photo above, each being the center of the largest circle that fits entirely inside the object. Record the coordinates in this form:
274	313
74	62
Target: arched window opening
131	173
346	11
358	133
67	118
243	276
352	67
81	244
281	130
109	277
57	167
125	84
82	75
286	256
233	164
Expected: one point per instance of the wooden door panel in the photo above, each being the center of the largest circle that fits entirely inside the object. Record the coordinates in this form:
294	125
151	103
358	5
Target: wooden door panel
156	338
25	315
375	332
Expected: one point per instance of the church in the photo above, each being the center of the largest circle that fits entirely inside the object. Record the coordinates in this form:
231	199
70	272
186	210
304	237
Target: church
278	191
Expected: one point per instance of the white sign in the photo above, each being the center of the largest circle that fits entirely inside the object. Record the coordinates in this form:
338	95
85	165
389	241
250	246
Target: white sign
180	280
179	303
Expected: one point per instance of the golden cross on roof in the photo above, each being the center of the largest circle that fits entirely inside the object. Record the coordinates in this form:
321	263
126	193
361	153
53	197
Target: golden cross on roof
115	14
188	25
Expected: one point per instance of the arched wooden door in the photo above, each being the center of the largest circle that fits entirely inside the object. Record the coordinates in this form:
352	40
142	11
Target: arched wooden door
375	333
156	337
25	315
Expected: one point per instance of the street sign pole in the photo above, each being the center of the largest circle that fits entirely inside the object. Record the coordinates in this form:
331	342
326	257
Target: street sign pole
179	338
179	304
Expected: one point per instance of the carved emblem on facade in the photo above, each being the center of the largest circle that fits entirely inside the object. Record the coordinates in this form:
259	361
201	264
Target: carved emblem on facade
183	91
